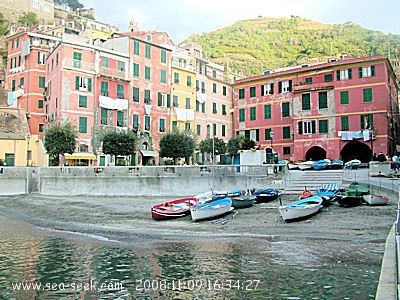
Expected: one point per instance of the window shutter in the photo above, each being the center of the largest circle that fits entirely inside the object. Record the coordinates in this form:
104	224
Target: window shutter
77	82
350	73
360	70
338	75
372	70
290	85
272	88
168	100
300	127
89	84
159	99
279	87
313	126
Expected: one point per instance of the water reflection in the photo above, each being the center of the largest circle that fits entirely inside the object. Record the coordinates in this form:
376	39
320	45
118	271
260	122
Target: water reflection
200	269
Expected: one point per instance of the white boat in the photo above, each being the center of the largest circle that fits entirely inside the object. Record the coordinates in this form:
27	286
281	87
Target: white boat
300	209
353	164
211	209
374	199
307	165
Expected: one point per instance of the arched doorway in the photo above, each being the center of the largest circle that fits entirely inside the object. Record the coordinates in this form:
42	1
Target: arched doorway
315	153
356	150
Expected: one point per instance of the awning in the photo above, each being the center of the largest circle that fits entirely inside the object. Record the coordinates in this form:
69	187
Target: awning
149	152
80	155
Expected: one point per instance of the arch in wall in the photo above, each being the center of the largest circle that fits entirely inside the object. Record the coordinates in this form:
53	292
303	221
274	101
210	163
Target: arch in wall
356	150
315	153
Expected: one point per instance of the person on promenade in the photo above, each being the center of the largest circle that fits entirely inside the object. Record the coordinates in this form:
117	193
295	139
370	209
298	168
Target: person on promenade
381	157
395	164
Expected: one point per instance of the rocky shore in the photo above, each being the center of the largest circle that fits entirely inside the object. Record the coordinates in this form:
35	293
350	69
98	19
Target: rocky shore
129	218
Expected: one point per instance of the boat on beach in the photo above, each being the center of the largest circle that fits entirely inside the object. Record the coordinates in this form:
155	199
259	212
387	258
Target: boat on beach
306	165
353	164
266	195
173	209
321	164
243	201
211	209
352	195
300	209
328	192
375	199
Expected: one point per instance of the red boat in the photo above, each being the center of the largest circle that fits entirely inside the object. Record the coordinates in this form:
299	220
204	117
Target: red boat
173	209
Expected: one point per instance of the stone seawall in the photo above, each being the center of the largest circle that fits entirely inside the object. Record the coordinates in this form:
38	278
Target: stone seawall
173	181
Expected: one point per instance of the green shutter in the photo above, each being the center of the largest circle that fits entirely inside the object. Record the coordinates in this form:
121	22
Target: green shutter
160	99
120	118
82	125
344	97
77	82
350	71
82	101
372	70
345	122
267	111
104	116
242	115
168	100
360	72
323	126
338	75
313	126
89	84
300	127
367	95
135	121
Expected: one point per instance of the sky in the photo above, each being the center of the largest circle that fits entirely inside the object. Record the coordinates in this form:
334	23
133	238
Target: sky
181	18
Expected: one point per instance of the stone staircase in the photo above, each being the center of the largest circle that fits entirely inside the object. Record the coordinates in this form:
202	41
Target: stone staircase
296	180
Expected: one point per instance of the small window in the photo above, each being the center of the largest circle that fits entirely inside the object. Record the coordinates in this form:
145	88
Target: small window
322	100
344	97
241	94
328	78
309	80
252	91
323	126
306	101
241	115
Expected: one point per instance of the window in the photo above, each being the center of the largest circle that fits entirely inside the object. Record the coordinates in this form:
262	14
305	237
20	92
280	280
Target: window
286	132
41	58
161	127
223	109
136	94
175	101
344	97
203	107
57	59
224	90
253	113
323	100
309	80
242	115
267	133
367	95
121	69
148	51
366	71
40	103
223	130
9	159
189	80
136	70
323	126
267	112
252	91
136	47
366	121
104	116
198	129
120	119
344	74
82	125
174	125
307	127
187	103
214	129
42	82
214	108
285	110
241	94
135	122
187	126
214	72
21	82
328	78
77	60
267	89
306	102
147	98
120	91
147	73
344	122
197	106
214	87
176	77
82	101
162	100
83	84
41	127
104	88
163	57
13	84
203	87
285	86
147	123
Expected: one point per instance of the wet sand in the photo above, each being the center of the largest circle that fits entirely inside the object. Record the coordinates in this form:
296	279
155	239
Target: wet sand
129	218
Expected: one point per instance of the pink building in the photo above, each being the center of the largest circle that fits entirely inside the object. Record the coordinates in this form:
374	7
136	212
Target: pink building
342	109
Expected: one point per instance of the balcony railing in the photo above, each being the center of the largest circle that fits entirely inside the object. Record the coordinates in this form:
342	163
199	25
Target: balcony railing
179	64
115	73
78	64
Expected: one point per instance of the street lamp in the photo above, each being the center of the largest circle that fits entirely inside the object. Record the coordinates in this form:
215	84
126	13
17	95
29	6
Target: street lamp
271	135
27	150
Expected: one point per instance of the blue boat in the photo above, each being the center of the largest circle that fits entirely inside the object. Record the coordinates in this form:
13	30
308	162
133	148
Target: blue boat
321	164
328	192
211	209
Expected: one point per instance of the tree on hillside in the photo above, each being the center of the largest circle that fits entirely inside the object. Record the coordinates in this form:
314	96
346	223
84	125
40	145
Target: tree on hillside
3	27
119	143
74	5
59	139
28	18
177	145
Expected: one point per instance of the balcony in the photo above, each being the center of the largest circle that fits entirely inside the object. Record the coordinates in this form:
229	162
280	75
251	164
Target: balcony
184	66
114	73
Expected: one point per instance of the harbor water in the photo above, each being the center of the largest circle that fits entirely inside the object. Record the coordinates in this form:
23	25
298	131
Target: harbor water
41	263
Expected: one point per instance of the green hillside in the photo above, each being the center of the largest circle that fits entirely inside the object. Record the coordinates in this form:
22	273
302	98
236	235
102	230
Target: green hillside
252	46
